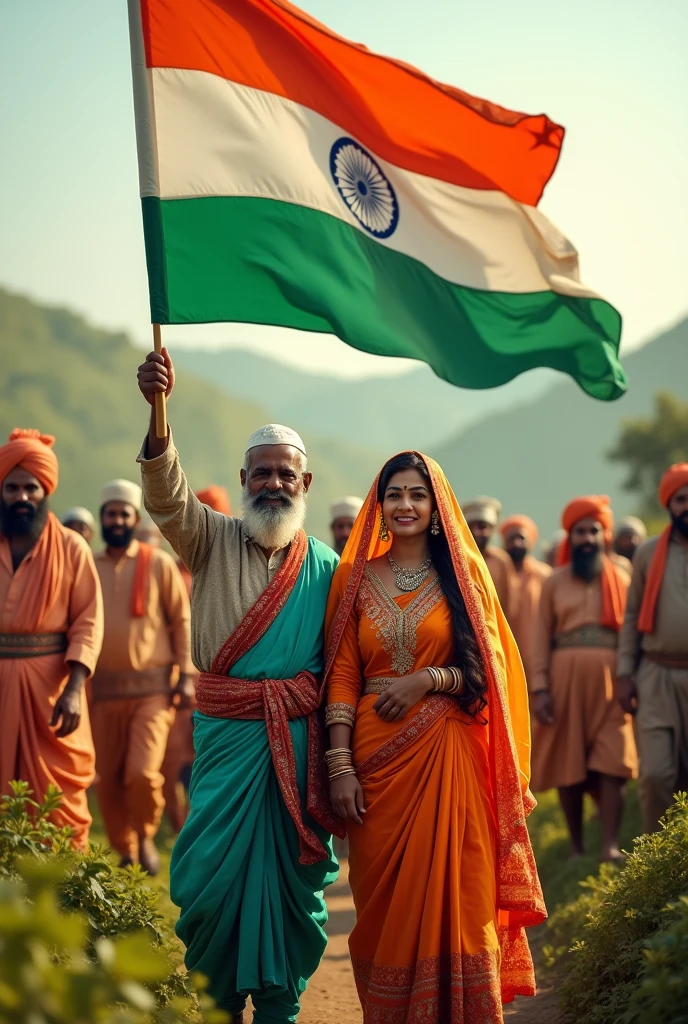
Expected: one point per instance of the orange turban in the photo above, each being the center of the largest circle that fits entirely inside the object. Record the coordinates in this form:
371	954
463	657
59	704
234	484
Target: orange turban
522	523
32	451
597	507
216	498
673	480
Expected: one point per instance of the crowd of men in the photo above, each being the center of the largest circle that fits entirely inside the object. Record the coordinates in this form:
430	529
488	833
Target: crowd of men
97	680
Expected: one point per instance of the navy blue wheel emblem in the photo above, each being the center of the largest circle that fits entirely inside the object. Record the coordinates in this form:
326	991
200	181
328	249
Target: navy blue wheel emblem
364	187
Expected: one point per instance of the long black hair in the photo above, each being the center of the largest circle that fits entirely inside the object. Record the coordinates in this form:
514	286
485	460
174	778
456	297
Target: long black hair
472	698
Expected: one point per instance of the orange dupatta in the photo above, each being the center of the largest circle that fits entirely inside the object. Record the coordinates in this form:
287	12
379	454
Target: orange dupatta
519	895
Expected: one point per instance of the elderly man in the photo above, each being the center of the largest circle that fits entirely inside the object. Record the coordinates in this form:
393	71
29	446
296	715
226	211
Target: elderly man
653	653
581	736
51	630
255	852
482	515
81	521
628	536
147	634
342	518
520	535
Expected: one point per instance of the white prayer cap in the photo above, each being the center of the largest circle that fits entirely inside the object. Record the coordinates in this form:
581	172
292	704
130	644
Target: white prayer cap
346	508
121	490
631	524
79	514
482	509
275	433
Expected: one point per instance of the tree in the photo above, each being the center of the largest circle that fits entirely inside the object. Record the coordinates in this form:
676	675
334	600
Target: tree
651	444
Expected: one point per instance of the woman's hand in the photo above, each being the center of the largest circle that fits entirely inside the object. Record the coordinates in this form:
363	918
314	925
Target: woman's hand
346	796
402	695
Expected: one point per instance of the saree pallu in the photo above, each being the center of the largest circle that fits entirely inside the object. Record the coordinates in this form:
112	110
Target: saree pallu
252	915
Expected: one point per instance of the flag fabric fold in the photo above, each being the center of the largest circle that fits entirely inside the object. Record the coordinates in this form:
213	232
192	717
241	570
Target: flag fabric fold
291	177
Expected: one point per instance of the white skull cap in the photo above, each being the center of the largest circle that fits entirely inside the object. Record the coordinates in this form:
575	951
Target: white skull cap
482	509
121	490
346	508
275	433
79	514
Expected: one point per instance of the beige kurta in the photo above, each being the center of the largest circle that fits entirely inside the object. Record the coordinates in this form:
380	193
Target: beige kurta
502	572
29	687
590	732
662	719
229	570
526	588
131	722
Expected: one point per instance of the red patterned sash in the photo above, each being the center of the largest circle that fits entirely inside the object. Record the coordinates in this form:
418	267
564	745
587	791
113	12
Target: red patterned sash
277	701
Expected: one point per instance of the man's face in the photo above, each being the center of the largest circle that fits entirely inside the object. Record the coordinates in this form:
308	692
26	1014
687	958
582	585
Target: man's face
118	522
678	510
24	504
341	531
83	529
516	543
626	543
275	484
482	532
587	547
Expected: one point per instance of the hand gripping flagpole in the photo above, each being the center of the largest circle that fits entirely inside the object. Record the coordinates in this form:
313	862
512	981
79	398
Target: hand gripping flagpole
160	396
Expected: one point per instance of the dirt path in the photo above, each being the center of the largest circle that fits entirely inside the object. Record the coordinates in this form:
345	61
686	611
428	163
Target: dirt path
331	996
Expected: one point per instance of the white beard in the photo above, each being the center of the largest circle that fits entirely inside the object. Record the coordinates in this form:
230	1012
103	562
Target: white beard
273	528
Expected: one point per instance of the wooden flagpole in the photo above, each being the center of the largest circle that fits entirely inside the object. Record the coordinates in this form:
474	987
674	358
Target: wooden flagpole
160	397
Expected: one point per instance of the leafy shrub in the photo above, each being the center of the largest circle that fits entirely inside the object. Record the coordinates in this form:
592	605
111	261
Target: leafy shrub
617	922
663	994
106	901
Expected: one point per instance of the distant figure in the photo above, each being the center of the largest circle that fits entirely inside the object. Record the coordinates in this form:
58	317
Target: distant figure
146	636
147	532
81	521
179	756
520	535
581	737
550	549
342	518
482	515
653	653
629	535
51	631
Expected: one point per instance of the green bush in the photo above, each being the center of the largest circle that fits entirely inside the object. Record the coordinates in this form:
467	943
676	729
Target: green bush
663	994
624	928
100	902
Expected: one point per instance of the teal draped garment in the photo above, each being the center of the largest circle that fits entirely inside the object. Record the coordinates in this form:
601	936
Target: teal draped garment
252	916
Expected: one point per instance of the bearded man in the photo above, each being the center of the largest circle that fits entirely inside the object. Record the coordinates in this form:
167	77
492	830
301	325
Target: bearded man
147	638
582	739
51	631
255	853
342	518
653	653
482	515
628	536
520	535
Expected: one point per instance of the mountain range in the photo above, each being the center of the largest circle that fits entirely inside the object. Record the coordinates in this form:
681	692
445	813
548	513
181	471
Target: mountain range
534	443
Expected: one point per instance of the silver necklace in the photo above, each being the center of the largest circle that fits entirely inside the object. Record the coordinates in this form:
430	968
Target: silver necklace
407	580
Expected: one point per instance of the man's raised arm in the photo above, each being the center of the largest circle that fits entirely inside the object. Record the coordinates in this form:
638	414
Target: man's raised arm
187	524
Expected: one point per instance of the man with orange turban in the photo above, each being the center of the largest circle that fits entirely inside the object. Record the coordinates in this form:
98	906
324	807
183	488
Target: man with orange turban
147	640
520	535
653	653
176	768
51	631
582	739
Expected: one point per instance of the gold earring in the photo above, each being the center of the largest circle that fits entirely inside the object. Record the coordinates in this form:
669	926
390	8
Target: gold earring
435	523
384	531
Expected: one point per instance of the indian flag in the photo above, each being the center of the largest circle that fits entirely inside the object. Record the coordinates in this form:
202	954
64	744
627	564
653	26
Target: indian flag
291	177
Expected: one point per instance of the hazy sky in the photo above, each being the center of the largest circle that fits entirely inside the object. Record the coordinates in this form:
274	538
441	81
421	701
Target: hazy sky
613	72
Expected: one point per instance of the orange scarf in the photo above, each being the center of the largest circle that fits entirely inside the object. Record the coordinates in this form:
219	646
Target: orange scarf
139	590
648	609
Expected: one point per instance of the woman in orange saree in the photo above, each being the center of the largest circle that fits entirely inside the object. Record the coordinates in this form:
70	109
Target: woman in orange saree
429	765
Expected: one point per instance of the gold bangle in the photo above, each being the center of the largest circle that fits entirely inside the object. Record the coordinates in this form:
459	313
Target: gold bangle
340	774
436	677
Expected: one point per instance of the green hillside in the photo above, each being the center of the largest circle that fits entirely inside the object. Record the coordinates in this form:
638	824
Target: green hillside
70	379
538	456
410	410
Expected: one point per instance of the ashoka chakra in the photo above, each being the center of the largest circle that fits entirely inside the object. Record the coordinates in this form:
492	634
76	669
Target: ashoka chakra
365	189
